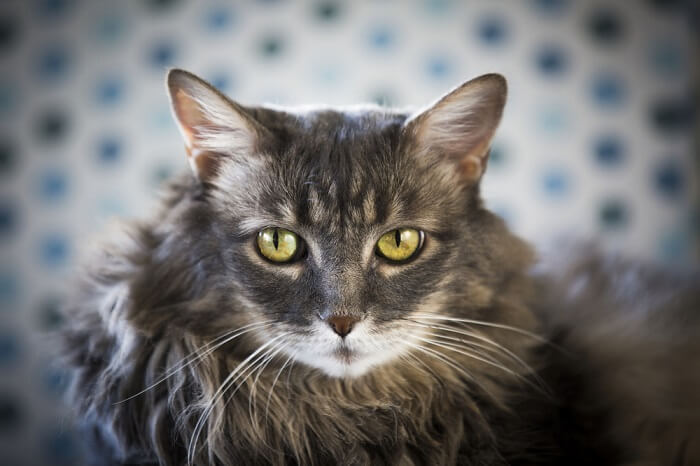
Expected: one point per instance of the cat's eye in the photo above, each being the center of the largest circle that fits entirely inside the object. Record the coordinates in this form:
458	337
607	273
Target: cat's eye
400	245
280	245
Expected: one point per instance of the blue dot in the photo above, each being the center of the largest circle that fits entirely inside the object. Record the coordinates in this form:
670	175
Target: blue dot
608	90
555	183
669	179
218	18
53	62
110	90
666	58
552	60
551	6
53	185
110	29
109	150
676	246
438	67
8	219
60	447
437	7
609	150
8	98
162	54
55	381
9	348
9	288
493	30
54	250
221	80
553	119
382	37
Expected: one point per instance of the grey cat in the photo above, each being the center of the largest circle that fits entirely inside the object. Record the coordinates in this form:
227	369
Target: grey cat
326	287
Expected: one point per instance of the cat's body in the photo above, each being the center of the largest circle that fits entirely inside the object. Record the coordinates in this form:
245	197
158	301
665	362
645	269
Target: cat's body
459	354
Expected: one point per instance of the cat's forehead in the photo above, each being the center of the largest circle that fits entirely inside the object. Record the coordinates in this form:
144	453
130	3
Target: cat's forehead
330	169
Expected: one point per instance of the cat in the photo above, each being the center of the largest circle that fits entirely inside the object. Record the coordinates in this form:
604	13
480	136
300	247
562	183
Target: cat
325	286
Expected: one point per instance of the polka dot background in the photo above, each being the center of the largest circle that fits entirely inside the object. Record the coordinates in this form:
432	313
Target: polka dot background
597	139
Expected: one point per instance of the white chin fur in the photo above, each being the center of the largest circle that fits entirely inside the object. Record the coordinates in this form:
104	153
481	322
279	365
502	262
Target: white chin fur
366	351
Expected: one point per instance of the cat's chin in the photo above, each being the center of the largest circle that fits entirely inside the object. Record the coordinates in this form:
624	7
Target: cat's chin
341	365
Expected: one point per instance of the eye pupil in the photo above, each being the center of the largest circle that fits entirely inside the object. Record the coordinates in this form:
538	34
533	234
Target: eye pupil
276	239
397	237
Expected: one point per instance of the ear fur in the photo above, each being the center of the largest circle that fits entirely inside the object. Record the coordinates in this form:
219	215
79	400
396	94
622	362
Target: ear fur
460	126
211	125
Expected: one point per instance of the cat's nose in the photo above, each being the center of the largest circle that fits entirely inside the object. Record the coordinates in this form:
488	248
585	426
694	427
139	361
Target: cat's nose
342	325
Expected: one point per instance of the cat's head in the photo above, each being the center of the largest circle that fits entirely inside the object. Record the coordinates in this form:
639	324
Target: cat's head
341	231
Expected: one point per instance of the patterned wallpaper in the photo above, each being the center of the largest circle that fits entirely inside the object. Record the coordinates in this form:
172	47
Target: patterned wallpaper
597	139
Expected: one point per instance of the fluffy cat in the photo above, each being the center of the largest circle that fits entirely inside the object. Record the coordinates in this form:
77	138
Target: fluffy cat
326	287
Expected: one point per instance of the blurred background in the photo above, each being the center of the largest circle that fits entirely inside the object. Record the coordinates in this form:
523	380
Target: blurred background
599	137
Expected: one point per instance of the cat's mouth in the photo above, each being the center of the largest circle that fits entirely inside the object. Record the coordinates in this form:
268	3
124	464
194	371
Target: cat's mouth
345	354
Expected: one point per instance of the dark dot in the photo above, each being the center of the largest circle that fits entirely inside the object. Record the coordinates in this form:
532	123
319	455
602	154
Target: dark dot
669	179
160	5
11	416
605	26
162	54
52	125
668	4
8	157
8	219
9	348
53	185
53	62
492	30
49	313
271	46
671	115
551	60
9	31
497	155
608	90
613	214
609	150
327	11
109	150
54	8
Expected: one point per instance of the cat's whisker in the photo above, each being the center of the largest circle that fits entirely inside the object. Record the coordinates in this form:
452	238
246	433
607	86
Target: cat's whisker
486	324
197	355
253	390
274	382
230	379
490	345
446	359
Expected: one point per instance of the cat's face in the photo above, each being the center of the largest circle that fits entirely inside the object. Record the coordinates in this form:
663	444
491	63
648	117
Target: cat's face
338	229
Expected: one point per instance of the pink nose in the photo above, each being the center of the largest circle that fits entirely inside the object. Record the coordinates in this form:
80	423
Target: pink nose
342	325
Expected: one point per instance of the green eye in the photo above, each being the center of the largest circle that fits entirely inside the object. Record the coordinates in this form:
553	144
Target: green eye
279	245
400	244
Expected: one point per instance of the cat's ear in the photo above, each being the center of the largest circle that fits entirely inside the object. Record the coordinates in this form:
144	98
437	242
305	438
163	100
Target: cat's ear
213	126
460	126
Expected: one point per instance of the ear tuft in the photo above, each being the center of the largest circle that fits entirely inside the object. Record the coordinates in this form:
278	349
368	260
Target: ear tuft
212	126
460	126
